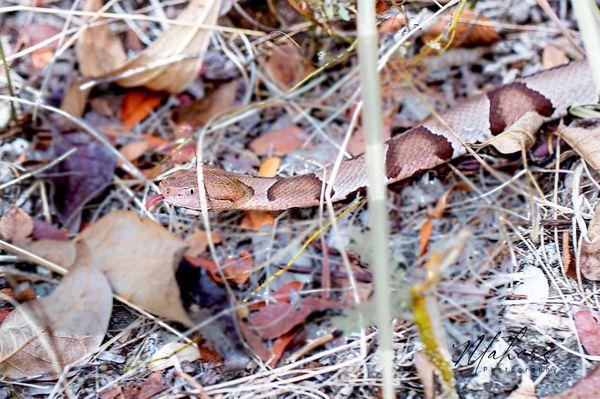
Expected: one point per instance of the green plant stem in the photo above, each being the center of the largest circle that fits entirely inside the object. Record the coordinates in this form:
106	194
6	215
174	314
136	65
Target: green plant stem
373	128
13	112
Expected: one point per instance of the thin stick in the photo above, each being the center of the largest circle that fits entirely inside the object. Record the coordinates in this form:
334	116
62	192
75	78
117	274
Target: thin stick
376	192
133	17
11	92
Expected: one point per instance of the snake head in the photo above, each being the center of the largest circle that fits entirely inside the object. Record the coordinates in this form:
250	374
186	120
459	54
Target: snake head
223	189
181	189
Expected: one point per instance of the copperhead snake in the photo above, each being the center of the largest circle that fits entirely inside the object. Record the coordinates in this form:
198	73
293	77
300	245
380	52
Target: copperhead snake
425	146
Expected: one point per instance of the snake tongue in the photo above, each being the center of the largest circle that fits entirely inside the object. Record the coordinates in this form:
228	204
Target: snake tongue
152	201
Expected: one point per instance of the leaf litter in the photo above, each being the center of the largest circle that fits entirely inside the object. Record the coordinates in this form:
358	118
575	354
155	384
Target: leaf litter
168	269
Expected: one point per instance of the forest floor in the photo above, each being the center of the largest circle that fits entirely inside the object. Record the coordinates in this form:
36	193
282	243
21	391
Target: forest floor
104	296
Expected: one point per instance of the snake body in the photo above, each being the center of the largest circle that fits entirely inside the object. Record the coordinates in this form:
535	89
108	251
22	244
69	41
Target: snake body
433	142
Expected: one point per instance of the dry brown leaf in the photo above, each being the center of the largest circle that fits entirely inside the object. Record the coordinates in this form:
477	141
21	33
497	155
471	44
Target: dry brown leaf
43	336
590	251
519	134
286	66
176	42
75	99
135	149
553	56
99	51
585	141
16	226
200	112
197	243
279	141
61	252
139	257
170	63
471	30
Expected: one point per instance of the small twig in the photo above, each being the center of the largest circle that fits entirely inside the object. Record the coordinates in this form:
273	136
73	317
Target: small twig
13	111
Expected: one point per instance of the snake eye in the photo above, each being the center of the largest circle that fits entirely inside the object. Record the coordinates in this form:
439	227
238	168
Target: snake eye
191	191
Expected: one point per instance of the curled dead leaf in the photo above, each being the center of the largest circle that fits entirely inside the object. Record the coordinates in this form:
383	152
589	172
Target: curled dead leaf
170	63
519	134
585	141
139	258
45	335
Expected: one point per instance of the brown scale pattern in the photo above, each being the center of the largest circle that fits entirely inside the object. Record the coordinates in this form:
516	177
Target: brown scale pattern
417	149
509	103
304	186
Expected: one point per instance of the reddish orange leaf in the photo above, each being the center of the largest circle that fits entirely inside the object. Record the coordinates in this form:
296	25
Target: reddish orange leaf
280	295
425	234
277	318
269	167
137	105
588	330
279	347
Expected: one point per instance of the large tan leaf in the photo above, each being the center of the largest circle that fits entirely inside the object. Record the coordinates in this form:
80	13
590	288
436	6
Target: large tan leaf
98	50
42	336
139	257
170	63
585	141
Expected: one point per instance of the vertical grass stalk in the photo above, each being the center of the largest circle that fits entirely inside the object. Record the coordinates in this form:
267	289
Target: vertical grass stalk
13	112
588	19
373	128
